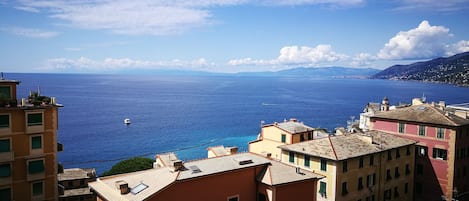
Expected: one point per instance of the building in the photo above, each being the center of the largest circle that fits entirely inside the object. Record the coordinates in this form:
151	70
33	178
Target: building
73	184
367	166
28	145
277	134
245	176
221	151
442	152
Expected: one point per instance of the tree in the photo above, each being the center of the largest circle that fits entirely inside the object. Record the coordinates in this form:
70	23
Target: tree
130	165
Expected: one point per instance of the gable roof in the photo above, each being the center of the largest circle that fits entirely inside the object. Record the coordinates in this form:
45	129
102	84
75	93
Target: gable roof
279	173
348	146
425	113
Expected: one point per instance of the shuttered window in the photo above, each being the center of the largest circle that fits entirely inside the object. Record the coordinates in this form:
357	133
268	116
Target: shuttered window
36	166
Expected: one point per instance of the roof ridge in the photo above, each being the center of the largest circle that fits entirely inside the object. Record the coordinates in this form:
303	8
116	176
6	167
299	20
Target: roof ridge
442	112
332	146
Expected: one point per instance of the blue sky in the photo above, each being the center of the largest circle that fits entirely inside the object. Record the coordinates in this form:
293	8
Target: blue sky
108	36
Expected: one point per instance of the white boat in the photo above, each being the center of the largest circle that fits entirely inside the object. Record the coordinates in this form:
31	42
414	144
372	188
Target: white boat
127	121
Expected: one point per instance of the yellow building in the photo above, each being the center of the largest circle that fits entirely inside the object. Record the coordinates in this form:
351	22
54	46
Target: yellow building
367	167
28	145
276	134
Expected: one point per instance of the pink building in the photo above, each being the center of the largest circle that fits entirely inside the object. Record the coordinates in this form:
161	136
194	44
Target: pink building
442	151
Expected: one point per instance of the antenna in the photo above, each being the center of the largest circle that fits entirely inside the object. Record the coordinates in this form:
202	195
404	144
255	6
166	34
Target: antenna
424	98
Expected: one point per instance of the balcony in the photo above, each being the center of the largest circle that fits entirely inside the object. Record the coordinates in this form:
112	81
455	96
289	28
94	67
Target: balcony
60	147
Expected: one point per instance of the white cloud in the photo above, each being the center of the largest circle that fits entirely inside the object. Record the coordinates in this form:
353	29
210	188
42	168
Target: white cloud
362	59
459	47
113	64
30	33
331	3
296	56
423	42
143	17
433	5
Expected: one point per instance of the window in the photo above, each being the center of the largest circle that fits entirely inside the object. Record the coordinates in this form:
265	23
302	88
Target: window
306	161
284	138
323	165
36	166
396	172
401	127
421	151
407	150
5	194
4	121
34	119
344	166
372	160
322	188
421	130
344	188
36	142
291	157
440	133
5	170
360	162
407	169
419	170
360	183
387	194
389	155
398	155
38	188
370	180
396	192
233	198
5	91
439	154
4	145
406	187
370	198
388	175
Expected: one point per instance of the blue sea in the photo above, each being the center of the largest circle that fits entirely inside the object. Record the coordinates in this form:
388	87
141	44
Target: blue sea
187	114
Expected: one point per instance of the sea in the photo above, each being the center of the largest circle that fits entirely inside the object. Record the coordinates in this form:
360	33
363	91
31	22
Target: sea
186	114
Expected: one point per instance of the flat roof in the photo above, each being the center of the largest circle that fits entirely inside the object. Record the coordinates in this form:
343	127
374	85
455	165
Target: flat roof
461	106
76	173
292	126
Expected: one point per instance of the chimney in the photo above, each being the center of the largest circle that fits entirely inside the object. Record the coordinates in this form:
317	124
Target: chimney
233	150
123	187
177	164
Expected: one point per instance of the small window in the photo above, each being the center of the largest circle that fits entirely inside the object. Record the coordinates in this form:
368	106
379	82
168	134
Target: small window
233	198
372	160
396	172
439	153
344	188
4	121
5	170
323	164
440	133
360	183
344	166
360	162
5	145
421	130
388	175
5	92
284	138
398	155
401	127
406	187
291	157
36	142
306	160
322	188
5	193
36	166
421	151
387	194
407	169
34	119
419	169
408	150
38	188
389	155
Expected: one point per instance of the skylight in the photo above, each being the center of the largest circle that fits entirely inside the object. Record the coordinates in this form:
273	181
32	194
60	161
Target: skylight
194	169
139	188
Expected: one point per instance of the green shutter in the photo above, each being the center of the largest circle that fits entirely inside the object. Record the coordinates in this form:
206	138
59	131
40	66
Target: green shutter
306	161
5	92
5	170
37	188
36	142
5	145
5	194
284	138
322	187
35	119
4	121
36	167
291	157
323	164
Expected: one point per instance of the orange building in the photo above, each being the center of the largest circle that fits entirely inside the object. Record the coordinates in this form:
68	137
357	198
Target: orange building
246	177
28	145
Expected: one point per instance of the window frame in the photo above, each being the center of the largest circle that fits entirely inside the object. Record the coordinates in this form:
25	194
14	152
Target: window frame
29	121
324	190
323	166
9	170
422	130
440	133
36	194
5	126
32	171
291	157
9	145
283	138
439	154
35	146
307	159
401	128
233	197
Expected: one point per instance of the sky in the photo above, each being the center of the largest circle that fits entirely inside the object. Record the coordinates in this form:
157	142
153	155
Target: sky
116	36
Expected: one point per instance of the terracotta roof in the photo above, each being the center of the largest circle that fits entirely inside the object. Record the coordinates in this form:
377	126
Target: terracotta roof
425	113
348	146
